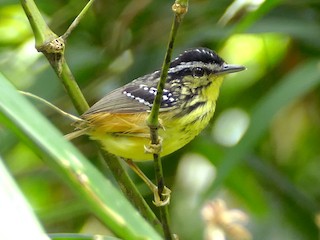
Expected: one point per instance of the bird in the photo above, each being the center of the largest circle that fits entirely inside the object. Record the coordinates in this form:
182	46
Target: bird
119	120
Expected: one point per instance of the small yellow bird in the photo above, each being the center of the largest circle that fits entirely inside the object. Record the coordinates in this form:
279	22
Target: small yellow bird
118	120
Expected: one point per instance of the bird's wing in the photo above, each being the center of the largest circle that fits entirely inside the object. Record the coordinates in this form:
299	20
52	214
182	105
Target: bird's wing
137	96
130	98
117	102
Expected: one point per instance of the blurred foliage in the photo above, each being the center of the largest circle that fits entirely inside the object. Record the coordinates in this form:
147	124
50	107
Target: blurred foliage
275	180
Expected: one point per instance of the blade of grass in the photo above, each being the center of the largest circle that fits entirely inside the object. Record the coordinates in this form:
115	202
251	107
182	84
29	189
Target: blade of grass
100	195
14	208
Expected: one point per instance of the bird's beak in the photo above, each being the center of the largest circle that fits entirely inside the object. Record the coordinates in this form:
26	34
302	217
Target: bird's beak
231	68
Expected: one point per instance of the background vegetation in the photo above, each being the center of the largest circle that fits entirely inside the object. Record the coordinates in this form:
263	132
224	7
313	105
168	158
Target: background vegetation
261	152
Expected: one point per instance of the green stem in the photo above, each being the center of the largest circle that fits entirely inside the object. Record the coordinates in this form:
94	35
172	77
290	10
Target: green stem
42	33
52	47
179	8
72	88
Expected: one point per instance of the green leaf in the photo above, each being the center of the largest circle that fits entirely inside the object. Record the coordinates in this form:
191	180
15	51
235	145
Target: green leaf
100	195
14	208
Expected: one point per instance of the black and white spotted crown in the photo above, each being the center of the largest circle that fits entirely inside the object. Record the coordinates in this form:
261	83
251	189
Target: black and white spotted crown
204	55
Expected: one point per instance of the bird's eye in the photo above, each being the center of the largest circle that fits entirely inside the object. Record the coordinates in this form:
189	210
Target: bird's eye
198	72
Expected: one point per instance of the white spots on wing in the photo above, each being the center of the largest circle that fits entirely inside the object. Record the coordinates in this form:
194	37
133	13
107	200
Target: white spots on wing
167	92
153	91
167	97
140	100
128	94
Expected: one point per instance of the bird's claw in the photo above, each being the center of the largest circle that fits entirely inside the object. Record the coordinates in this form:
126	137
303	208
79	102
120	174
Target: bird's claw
154	148
166	194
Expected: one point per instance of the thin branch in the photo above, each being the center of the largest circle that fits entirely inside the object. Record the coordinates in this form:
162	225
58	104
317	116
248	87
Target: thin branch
77	20
179	8
53	47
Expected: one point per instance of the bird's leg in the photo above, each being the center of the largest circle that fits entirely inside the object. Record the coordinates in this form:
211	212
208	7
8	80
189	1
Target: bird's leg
157	199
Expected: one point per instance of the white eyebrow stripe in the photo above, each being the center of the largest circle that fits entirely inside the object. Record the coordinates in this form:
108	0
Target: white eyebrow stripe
185	65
